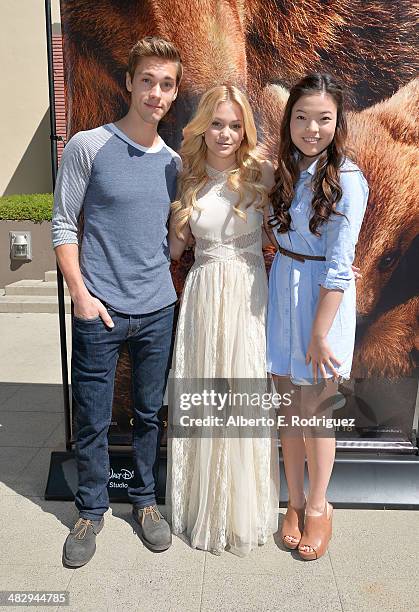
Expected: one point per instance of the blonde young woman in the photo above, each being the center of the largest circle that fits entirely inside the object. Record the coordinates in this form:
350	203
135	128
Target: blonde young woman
221	491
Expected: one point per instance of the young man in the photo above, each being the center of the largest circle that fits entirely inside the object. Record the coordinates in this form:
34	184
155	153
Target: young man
123	176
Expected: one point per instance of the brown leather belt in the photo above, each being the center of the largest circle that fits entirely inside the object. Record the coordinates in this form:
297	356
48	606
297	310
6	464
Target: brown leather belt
300	256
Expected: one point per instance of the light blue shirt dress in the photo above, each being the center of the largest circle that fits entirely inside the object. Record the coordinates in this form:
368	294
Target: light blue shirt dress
294	286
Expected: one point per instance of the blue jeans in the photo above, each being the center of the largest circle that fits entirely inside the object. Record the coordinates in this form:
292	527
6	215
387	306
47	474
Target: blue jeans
94	359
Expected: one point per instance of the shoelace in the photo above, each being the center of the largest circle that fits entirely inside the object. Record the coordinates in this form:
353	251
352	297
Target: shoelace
83	524
153	512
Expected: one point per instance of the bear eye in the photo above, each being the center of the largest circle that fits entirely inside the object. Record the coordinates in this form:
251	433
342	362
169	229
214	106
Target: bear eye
388	261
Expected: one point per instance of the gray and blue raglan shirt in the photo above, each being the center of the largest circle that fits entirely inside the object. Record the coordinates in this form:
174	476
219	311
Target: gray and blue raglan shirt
125	191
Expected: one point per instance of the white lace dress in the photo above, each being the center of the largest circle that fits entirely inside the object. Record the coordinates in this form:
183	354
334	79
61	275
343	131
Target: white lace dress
223	492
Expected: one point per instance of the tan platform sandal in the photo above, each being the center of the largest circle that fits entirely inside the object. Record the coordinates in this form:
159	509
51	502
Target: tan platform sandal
292	526
317	534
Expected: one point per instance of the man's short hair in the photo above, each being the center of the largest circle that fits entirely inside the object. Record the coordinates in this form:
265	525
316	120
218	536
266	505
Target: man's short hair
153	46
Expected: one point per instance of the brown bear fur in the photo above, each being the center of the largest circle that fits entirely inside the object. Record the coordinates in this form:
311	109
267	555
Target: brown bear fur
371	45
383	138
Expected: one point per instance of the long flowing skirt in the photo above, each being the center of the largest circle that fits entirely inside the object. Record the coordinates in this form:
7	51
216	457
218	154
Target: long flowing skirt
223	491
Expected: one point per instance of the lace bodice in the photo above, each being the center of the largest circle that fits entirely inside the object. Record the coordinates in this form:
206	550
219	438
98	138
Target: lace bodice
220	233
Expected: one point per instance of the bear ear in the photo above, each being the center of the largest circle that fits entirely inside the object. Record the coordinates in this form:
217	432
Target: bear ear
399	115
270	105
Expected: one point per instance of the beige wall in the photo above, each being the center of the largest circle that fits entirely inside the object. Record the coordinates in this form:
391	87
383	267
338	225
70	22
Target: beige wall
24	105
43	257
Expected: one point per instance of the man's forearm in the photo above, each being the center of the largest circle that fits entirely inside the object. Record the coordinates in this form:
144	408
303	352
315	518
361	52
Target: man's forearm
68	260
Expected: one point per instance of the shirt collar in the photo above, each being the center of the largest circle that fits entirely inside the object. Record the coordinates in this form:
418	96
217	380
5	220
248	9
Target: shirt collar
154	149
311	169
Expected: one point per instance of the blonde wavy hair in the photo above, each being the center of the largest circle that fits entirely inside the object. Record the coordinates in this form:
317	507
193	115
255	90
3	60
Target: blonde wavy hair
245	180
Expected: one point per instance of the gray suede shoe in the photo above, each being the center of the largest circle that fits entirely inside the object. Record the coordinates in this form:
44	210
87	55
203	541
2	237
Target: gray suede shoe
154	531
80	545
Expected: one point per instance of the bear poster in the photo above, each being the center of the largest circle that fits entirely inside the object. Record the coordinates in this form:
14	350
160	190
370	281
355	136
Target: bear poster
263	47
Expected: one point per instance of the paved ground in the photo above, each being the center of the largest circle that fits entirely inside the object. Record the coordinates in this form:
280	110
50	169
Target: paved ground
372	562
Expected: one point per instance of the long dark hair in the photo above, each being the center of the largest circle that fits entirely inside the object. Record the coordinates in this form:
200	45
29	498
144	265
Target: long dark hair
326	187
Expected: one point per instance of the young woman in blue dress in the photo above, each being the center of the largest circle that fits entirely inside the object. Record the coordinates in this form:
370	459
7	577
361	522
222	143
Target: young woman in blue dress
318	203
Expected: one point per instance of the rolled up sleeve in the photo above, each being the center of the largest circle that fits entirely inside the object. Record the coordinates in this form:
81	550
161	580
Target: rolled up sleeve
342	232
72	181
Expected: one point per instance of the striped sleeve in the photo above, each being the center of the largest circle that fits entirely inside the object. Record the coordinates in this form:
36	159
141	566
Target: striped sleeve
72	182
178	162
176	157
